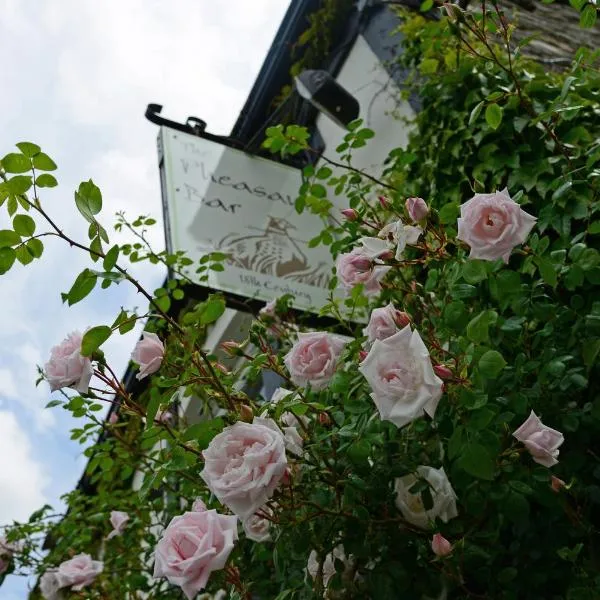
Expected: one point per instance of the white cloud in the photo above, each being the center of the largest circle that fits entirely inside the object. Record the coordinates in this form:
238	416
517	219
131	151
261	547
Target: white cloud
8	386
22	479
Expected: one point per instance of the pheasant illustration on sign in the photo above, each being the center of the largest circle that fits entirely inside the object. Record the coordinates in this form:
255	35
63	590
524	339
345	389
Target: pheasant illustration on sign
274	252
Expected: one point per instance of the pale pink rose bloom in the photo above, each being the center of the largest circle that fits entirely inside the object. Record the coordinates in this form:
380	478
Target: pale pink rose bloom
374	247
291	438
148	353
400	235
66	367
78	572
118	519
313	359
257	527
541	441
382	323
417	209
49	585
492	225
193	546
401	376
411	505
198	505
355	267
440	545
328	563
244	464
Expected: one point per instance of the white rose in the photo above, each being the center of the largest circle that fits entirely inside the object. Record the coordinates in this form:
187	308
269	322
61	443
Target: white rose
401	376
382	323
399	234
411	505
328	564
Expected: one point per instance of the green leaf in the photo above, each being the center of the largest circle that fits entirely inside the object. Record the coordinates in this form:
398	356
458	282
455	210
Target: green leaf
28	149
493	115
426	5
476	460
93	338
152	408
16	163
588	16
88	200
491	364
213	309
110	260
474	271
45	180
19	184
83	285
43	162
23	255
24	225
547	271
476	112
478	327
9	238
204	432
36	247
7	259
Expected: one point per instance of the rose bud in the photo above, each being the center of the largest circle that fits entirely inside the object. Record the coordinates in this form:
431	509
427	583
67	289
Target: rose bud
362	354
417	209
440	545
556	484
232	348
246	413
324	419
402	319
350	214
385	203
442	371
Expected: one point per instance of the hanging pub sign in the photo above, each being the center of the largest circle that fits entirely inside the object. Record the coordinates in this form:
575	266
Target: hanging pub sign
219	199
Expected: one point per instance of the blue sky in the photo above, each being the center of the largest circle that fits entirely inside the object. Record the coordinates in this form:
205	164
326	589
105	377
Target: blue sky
77	76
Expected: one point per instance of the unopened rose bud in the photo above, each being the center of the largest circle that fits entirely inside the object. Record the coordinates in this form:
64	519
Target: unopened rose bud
385	203
362	264
286	477
362	354
221	368
350	214
387	255
324	419
246	413
417	209
402	319
442	371
232	348
114	418
440	545
556	484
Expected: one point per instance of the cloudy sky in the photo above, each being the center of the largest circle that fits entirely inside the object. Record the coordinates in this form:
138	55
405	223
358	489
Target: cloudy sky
76	78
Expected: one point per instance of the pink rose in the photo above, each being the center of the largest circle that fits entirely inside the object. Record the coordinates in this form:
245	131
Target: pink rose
78	572
118	519
148	353
268	310
382	323
244	464
193	546
49	585
257	526
417	209
541	441
492	225
67	367
313	359
440	545
355	267
401	376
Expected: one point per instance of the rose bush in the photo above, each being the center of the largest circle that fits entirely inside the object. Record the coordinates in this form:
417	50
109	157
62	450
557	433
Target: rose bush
403	455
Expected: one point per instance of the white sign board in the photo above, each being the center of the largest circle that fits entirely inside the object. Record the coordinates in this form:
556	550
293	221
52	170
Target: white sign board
221	199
